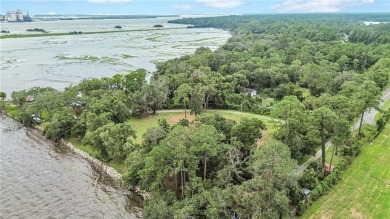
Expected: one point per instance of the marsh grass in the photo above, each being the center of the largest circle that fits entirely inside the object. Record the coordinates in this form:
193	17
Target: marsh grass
10	36
126	56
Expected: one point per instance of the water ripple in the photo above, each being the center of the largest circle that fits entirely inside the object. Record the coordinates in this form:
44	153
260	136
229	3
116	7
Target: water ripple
38	180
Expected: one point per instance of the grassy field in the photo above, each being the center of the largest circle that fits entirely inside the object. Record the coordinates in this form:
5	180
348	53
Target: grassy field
364	191
140	125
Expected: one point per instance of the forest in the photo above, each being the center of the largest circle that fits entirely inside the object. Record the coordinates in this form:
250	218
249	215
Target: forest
322	72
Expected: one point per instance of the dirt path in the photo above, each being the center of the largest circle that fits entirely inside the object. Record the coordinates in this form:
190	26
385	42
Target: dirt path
368	118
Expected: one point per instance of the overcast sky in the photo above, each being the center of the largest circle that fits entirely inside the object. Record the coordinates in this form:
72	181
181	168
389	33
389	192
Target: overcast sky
160	7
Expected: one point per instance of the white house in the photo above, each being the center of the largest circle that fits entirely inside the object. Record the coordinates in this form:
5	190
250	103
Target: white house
252	92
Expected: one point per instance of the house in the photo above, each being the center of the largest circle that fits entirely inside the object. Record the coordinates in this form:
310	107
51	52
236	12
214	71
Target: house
247	91
78	106
30	99
306	191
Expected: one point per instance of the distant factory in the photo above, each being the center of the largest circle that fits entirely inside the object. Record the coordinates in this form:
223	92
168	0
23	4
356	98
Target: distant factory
16	16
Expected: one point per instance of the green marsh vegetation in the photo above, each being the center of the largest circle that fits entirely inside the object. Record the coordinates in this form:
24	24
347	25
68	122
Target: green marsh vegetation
311	86
127	56
82	33
92	58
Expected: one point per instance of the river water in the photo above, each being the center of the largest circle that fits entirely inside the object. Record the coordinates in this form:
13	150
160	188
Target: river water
59	61
41	180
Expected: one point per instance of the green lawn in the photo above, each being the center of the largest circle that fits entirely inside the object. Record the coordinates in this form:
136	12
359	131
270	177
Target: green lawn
140	125
386	105
336	158
87	148
11	109
364	191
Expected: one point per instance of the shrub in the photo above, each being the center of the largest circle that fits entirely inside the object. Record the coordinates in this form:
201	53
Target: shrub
261	110
352	150
309	179
78	130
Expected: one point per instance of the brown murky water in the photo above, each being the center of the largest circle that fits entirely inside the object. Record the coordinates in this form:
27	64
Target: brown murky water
41	180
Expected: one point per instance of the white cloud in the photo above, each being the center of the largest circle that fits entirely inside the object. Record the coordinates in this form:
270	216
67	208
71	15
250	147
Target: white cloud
181	7
222	4
318	5
51	13
109	1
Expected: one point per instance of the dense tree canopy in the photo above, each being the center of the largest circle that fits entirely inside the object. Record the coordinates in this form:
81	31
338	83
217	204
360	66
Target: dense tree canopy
313	73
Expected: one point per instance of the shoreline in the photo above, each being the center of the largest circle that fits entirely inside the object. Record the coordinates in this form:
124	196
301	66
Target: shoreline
105	168
99	165
13	36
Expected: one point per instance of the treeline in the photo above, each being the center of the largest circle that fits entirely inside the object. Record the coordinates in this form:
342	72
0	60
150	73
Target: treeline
211	167
330	26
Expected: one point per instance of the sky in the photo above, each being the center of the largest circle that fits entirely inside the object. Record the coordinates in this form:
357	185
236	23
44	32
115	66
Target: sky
175	7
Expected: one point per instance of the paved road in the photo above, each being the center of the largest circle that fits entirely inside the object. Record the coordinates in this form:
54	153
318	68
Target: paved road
369	118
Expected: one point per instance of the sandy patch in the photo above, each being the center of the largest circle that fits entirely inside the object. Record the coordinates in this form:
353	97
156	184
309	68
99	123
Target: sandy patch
176	118
325	216
356	214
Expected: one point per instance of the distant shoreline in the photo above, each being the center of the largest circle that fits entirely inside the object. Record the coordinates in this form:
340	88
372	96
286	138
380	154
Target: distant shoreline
11	36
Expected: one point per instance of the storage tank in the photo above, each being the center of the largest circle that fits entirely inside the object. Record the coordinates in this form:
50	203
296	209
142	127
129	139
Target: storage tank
19	15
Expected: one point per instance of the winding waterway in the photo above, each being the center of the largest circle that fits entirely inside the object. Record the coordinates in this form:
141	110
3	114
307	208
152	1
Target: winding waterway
43	180
59	61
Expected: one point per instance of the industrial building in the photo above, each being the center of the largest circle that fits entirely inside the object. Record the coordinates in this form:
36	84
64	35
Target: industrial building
16	16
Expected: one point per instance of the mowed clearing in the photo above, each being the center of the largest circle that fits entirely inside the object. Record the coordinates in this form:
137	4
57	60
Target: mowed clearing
140	125
364	190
